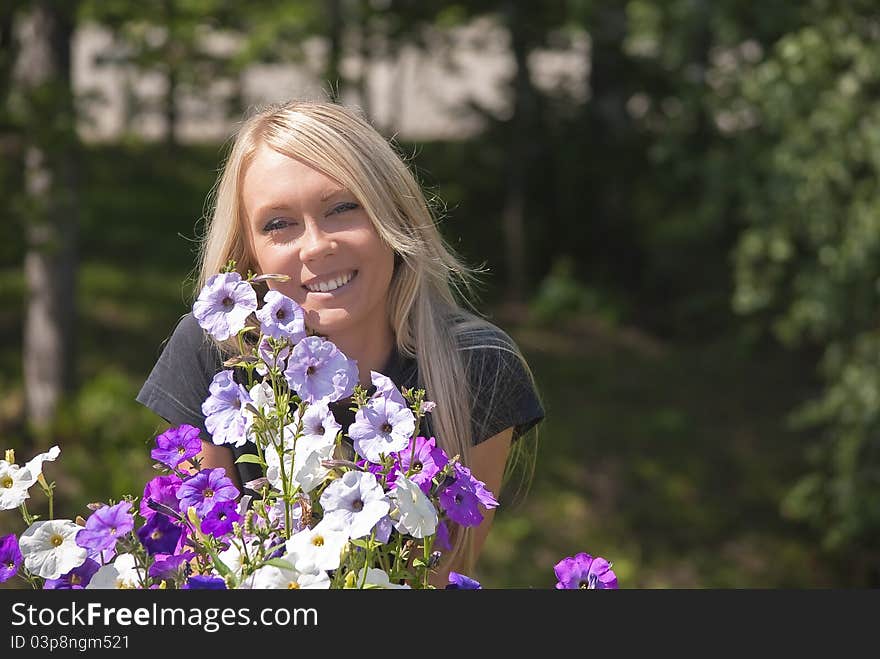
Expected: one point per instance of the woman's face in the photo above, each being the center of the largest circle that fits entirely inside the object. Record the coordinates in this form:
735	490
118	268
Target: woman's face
304	224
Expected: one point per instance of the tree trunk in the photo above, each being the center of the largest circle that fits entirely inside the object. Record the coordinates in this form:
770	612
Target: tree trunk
334	55
51	222
513	213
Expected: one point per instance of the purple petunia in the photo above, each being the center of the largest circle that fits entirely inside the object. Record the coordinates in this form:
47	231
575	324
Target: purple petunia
168	567
461	503
219	521
204	582
223	410
420	462
205	490
163	490
584	571
224	304
176	445
381	427
461	582
105	526
77	579
280	317
159	535
10	557
464	476
319	371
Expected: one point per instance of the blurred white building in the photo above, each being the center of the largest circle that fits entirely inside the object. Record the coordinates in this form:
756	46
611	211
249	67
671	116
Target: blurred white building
421	95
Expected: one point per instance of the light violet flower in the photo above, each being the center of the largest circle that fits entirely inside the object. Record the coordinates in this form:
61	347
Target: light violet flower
386	388
281	318
15	481
49	548
122	574
357	501
224	304
416	513
105	526
223	410
318	371
380	428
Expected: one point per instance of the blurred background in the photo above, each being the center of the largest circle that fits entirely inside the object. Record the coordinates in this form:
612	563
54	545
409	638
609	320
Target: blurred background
677	203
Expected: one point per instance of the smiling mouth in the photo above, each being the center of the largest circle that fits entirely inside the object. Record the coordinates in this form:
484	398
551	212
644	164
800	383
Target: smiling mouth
333	285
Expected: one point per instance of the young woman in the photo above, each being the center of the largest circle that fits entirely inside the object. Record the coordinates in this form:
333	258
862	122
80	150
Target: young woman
312	191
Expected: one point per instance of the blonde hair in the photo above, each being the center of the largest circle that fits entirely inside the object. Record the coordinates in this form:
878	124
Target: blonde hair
428	280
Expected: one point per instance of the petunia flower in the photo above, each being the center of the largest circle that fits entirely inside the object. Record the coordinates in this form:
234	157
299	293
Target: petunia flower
159	535
176	445
77	579
281	318
122	574
224	304
319	548
15	481
273	577
49	548
10	557
416	513
205	490
318	371
376	578
419	462
224	408
204	582
461	582
105	526
584	571
357	501
381	427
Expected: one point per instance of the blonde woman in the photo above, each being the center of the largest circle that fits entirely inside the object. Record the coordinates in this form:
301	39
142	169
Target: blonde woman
311	190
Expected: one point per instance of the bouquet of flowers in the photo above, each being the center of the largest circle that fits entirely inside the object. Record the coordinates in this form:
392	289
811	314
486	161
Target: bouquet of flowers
373	514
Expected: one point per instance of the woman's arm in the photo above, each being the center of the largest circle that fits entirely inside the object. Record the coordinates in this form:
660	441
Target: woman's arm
488	459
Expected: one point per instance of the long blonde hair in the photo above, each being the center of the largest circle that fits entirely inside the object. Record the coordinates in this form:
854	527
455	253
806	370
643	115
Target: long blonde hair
430	282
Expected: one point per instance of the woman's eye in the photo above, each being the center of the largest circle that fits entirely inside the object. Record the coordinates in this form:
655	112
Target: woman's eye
344	206
276	224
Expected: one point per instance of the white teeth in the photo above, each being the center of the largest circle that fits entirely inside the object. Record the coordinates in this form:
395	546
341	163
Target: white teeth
332	285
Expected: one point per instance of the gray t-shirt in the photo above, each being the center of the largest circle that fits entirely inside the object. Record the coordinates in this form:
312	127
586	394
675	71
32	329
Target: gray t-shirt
500	388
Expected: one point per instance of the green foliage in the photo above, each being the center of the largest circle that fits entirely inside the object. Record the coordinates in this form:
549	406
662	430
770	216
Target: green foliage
809	258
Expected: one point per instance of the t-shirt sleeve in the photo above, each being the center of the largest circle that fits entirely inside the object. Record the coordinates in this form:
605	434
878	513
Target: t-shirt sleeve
502	392
178	384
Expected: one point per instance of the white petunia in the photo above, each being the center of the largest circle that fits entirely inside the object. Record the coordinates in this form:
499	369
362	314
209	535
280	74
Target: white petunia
302	465
316	549
273	577
358	499
15	481
49	548
377	578
417	515
122	574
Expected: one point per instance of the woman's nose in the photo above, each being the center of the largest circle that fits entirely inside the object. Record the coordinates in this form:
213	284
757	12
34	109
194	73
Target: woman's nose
316	243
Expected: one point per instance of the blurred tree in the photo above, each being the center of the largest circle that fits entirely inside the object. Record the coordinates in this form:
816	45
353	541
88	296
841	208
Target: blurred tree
809	259
42	106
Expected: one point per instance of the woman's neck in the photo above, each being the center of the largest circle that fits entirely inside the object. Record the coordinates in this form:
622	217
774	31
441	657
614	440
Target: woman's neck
371	350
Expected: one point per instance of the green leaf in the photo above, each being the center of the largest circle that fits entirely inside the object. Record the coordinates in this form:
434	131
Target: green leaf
250	458
281	563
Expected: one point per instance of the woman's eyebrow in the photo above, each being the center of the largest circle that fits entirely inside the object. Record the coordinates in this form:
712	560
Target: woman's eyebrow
329	194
